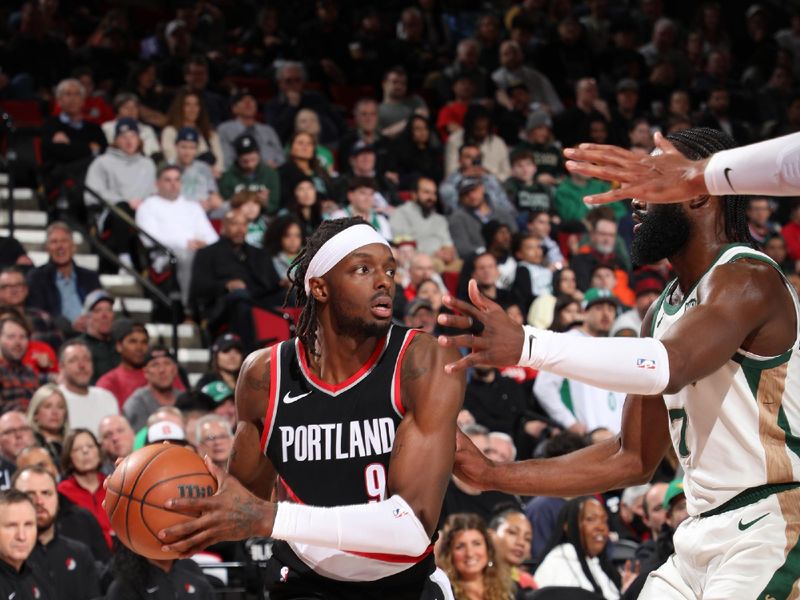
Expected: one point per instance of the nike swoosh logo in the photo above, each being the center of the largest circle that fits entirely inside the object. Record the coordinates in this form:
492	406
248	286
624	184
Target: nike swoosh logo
728	179
151	590
531	337
743	526
288	398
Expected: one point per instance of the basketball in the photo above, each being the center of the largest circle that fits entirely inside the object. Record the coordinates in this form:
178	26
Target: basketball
142	483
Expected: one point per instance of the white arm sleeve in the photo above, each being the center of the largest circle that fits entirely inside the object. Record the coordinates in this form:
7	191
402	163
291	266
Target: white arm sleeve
771	168
627	365
387	527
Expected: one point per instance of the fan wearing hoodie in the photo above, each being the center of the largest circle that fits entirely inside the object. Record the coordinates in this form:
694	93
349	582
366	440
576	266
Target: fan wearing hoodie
124	177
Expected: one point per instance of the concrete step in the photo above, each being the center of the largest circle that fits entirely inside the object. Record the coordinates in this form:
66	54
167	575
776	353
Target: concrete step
188	334
35	239
194	360
87	261
31	219
24	199
121	285
140	309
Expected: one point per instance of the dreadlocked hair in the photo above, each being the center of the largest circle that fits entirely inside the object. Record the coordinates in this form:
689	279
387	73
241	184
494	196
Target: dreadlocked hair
701	142
307	323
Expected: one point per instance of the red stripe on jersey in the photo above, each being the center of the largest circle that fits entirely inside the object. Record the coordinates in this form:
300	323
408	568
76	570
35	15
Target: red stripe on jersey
336	387
398	402
290	492
274	384
393	558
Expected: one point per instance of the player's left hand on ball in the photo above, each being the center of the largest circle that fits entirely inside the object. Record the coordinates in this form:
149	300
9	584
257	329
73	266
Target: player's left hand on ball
495	339
233	513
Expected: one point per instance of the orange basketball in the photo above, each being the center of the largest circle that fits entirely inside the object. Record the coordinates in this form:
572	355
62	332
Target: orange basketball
142	483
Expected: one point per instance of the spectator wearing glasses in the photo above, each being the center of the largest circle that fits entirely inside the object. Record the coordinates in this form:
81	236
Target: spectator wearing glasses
215	439
14	294
83	480
15	435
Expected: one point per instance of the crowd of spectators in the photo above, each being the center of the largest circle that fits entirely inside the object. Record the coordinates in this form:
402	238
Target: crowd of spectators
226	132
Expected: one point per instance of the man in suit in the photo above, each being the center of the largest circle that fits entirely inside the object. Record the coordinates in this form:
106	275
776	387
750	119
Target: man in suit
60	286
230	276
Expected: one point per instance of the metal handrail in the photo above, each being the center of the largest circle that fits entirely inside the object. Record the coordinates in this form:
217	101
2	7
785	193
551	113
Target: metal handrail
171	303
8	125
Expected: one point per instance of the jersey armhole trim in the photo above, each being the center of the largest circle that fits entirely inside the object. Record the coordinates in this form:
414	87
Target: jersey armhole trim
397	401
761	363
274	389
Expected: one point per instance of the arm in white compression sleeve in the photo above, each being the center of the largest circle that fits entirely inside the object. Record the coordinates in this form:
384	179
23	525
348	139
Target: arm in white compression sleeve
627	365
387	527
771	168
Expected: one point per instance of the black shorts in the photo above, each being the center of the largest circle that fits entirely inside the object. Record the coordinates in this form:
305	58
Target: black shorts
288	578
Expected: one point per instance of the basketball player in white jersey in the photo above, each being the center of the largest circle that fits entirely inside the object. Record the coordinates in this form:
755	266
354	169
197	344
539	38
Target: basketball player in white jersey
718	375
770	168
357	418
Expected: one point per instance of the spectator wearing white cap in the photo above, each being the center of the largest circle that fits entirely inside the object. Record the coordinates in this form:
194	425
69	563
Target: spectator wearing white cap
99	311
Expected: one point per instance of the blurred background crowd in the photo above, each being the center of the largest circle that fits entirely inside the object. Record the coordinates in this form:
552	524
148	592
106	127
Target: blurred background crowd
163	164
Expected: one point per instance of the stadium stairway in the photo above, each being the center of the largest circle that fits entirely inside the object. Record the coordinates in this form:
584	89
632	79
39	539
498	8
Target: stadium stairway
29	229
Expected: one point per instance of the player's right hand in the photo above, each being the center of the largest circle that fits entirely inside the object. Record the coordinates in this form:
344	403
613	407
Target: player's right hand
666	177
232	514
496	342
471	465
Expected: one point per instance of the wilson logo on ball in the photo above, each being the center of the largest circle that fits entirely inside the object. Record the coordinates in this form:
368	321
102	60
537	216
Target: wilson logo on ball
195	491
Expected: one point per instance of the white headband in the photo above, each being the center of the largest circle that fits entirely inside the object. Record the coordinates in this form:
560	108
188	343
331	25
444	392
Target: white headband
339	246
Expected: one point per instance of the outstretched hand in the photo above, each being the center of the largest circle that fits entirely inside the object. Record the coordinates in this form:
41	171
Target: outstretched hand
499	342
233	513
666	177
471	465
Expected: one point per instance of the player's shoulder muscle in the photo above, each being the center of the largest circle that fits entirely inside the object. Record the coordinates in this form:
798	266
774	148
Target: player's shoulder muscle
253	386
422	372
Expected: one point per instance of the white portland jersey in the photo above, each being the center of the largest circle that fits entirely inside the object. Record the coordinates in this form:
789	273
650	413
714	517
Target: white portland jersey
736	428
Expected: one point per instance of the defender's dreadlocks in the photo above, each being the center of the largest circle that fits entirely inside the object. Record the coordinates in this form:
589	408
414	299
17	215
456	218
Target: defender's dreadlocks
701	142
307	323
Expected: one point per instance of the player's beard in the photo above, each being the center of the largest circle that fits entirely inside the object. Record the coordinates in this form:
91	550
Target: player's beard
664	231
354	326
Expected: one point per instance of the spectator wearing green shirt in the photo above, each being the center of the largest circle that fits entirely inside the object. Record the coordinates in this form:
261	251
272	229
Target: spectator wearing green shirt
570	193
250	173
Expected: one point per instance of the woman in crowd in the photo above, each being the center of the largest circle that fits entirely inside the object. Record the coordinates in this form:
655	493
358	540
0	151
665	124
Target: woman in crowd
429	290
418	152
187	110
153	101
566	296
126	105
512	535
576	554
47	415
302	163
469	560
283	241
227	354
307	121
305	206
252	208
83	481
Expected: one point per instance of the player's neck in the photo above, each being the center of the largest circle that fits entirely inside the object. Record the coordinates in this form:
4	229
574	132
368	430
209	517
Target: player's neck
341	356
696	257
